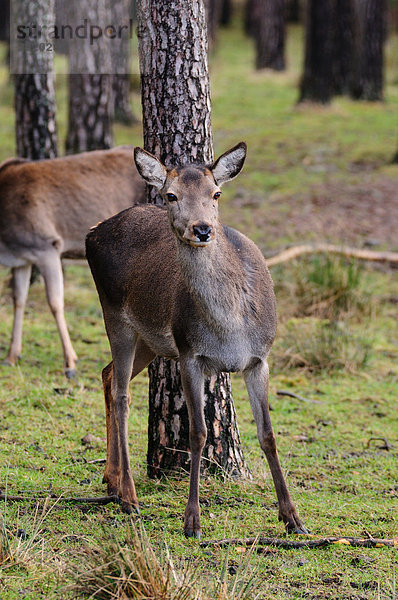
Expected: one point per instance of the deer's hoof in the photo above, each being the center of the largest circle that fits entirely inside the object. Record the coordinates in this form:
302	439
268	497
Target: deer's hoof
129	508
190	533
70	373
8	362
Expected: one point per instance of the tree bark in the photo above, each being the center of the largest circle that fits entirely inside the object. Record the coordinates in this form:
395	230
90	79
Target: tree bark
368	84
4	20
90	82
35	108
316	83
270	35
345	33
226	12
177	129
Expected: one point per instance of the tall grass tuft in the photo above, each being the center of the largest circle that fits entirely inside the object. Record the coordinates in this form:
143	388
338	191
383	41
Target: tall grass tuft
327	287
319	344
134	570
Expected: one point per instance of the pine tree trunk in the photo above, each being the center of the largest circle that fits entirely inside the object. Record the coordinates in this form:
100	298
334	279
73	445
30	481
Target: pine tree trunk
90	82
121	65
270	36
345	33
368	84
316	83
4	20
177	129
35	108
226	12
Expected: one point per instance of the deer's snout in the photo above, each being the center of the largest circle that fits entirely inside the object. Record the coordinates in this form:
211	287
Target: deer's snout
200	234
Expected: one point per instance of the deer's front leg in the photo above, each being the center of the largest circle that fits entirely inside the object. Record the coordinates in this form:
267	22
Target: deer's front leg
257	386
193	387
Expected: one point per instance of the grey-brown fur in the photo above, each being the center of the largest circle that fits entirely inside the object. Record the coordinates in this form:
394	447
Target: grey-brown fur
176	282
47	208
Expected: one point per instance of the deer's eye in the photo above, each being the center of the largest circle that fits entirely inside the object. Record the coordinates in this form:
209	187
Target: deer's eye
217	195
171	197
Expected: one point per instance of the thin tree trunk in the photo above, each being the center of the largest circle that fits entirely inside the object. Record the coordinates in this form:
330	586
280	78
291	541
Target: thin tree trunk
316	83
90	82
121	64
177	129
213	18
35	108
226	12
270	35
345	33
370	60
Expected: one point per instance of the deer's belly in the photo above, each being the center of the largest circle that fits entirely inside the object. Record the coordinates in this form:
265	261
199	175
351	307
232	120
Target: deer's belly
231	356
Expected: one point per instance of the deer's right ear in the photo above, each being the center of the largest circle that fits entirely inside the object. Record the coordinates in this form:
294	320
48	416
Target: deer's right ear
150	168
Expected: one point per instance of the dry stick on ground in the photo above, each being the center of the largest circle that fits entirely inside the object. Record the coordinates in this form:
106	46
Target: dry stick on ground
319	543
293	395
100	500
290	253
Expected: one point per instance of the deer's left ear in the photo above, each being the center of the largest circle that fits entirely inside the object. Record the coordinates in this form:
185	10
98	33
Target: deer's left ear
230	164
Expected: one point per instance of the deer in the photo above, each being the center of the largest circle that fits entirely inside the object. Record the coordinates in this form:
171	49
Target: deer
47	207
174	282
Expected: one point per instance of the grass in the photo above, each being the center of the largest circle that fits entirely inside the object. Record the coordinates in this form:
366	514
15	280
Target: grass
342	478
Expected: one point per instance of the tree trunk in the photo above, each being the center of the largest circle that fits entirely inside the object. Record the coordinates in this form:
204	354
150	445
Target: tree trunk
213	18
35	108
90	81
270	35
316	83
177	129
121	65
252	16
4	20
293	11
368	83
226	12
345	32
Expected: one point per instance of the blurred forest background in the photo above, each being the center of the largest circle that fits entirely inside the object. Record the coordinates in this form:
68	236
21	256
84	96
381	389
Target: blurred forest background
312	87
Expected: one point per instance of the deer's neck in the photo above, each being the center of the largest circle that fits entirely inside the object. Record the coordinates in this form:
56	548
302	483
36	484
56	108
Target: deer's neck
216	281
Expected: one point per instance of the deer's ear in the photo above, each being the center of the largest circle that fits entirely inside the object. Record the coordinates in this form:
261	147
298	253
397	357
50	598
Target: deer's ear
229	164
150	168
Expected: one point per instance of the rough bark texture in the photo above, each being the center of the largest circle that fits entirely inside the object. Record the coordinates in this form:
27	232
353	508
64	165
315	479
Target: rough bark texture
90	83
121	65
344	46
316	83
35	108
177	129
270	35
368	83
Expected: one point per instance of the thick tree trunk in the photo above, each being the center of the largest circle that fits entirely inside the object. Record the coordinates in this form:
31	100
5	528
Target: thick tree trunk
90	82
252	16
316	83
345	33
226	12
270	35
121	64
177	129
368	83
35	108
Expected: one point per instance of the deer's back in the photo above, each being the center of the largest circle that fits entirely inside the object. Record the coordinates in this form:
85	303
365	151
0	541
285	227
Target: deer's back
62	198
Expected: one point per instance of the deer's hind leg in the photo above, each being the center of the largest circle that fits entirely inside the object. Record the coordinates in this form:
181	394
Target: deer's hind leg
257	386
130	356
20	289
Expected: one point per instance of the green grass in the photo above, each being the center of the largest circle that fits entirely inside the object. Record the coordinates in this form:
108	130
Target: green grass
342	480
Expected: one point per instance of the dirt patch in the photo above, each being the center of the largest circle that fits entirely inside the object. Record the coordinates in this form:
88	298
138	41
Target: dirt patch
361	215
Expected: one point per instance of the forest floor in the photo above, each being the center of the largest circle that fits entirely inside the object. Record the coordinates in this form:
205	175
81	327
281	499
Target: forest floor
312	174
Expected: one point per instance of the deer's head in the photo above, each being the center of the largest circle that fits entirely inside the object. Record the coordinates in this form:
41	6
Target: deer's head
191	192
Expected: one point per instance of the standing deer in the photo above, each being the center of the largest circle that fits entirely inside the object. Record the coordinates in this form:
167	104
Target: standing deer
47	207
179	284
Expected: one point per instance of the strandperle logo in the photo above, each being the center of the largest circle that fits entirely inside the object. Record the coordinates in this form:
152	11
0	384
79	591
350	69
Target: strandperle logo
83	31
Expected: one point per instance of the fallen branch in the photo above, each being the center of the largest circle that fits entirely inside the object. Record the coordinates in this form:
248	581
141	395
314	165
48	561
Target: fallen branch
101	500
293	395
290	253
293	544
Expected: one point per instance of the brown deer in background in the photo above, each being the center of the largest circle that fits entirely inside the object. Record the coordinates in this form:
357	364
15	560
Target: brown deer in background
179	284
46	209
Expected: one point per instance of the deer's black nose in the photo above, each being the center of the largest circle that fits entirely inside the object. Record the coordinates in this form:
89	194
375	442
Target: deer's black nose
202	232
